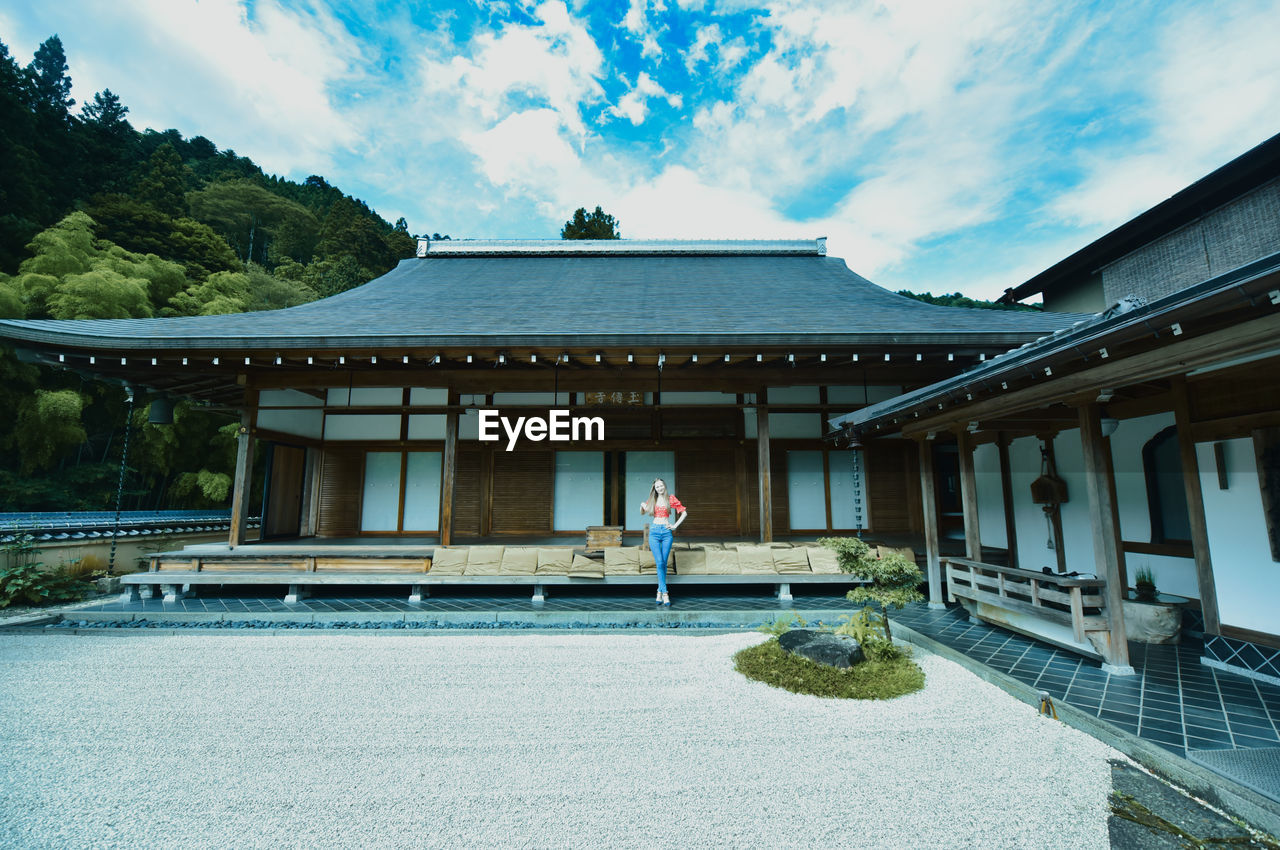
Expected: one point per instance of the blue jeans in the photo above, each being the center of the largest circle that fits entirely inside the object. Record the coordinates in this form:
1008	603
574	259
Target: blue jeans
660	545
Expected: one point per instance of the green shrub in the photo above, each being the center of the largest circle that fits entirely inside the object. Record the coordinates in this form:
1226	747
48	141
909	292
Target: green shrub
851	553
872	679
865	627
783	624
24	580
894	579
31	584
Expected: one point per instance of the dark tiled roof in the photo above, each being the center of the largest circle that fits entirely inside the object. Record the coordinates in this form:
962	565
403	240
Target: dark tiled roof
576	301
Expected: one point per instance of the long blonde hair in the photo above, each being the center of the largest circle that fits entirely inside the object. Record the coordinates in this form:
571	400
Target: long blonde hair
652	501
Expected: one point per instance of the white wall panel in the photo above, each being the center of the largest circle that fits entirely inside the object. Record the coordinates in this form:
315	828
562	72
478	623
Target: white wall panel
1246	578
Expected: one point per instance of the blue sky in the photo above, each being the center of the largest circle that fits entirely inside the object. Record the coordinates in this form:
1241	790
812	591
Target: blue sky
939	146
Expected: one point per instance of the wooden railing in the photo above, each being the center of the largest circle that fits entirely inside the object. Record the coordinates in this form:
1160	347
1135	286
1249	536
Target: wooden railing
1077	602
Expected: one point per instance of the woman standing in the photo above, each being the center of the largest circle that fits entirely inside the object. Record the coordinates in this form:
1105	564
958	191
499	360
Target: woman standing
661	504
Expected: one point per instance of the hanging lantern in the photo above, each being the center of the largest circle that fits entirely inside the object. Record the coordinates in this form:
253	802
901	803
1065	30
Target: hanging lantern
161	412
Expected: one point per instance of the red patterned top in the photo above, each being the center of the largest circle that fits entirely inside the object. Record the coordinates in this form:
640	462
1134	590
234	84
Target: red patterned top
660	512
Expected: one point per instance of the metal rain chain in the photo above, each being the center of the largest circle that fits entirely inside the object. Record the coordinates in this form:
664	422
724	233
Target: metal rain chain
124	462
855	454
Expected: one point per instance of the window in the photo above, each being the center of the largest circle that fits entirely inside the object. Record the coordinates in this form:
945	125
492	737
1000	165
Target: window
1166	491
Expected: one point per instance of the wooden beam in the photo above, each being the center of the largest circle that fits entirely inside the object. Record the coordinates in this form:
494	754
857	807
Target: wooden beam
969	497
929	505
448	473
766	487
1174	359
1006	493
1195	506
1106	538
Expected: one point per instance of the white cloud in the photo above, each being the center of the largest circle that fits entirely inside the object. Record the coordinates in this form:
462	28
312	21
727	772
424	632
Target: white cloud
527	154
634	19
708	36
260	85
557	62
1211	96
634	105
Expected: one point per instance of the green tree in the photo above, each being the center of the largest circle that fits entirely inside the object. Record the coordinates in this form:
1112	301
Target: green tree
50	84
271	292
597	225
893	579
110	143
349	230
62	250
956	299
221	293
165	182
140	227
48	422
100	294
71	275
333	275
24	186
11	306
257	222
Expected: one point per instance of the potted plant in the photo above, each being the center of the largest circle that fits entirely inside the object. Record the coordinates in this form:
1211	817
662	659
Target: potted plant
1144	585
1146	619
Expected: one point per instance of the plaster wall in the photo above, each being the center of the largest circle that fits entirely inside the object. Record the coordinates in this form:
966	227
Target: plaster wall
986	472
1029	518
1246	578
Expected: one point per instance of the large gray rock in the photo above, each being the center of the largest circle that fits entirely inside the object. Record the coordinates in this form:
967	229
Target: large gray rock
833	650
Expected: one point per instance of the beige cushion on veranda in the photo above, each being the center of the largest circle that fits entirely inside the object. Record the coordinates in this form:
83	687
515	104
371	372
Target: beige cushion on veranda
692	562
710	546
794	561
823	560
721	562
554	562
906	552
518	561
583	567
756	559
484	561
622	560
649	566
449	562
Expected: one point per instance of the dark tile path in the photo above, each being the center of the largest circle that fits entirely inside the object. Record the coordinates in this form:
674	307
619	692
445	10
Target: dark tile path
1173	700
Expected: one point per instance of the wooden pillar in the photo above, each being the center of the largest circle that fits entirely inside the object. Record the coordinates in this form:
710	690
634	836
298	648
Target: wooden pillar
969	497
1106	536
448	473
310	492
1006	491
929	500
1055	515
244	471
766	487
1195	507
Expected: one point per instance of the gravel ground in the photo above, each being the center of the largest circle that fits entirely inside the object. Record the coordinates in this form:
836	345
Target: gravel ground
524	740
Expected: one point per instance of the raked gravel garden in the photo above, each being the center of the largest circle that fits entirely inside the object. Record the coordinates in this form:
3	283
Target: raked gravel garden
130	739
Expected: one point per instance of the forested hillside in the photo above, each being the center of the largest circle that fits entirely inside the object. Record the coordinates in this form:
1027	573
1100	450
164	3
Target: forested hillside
100	220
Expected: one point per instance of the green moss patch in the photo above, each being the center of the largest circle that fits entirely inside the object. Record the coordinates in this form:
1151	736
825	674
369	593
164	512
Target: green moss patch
872	679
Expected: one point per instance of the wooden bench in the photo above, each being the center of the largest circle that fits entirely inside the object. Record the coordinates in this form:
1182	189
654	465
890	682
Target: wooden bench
177	584
1064	611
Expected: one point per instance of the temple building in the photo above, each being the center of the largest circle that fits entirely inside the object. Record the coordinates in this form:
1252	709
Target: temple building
391	410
